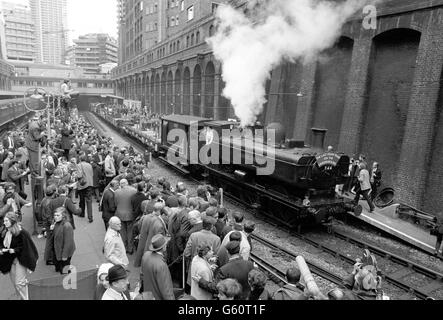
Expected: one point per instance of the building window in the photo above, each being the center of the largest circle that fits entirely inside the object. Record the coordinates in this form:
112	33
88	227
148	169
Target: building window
178	45
187	41
155	7
182	5
141	6
192	39
197	37
190	13
172	21
176	20
173	47
155	26
211	30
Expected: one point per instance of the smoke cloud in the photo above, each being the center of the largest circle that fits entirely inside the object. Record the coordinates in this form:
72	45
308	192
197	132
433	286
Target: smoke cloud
280	30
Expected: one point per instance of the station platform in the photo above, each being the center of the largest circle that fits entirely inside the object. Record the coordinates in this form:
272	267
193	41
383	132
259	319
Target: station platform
88	256
386	219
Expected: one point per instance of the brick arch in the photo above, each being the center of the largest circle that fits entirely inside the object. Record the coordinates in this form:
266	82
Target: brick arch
169	93
197	90
178	94
391	73
163	92
157	94
187	91
209	90
146	89
403	26
152	92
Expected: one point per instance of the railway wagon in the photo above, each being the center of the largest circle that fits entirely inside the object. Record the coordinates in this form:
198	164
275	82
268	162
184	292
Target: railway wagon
11	109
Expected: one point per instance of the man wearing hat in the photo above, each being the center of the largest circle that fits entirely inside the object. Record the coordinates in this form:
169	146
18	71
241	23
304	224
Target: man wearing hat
118	284
156	277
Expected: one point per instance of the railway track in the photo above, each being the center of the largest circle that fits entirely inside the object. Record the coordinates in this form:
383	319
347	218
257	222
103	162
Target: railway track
409	267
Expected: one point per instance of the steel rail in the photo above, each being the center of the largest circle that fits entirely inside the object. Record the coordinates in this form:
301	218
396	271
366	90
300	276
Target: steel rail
276	274
397	283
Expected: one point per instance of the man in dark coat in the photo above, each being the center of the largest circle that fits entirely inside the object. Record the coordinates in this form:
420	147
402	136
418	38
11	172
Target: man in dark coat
125	214
291	291
157	281
85	192
67	137
108	203
16	175
138	198
152	225
178	226
8	142
376	175
236	268
33	141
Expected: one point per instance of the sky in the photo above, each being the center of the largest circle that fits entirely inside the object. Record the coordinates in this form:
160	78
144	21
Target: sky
89	16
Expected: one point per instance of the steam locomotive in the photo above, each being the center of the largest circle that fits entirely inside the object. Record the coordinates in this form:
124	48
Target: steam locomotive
293	182
289	180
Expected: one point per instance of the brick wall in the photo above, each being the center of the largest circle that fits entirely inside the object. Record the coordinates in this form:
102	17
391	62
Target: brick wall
330	90
390	80
422	114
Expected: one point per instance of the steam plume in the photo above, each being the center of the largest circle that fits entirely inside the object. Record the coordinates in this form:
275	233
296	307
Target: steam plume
281	30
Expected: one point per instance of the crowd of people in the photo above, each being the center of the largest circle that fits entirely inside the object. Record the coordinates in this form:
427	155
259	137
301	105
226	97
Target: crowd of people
187	246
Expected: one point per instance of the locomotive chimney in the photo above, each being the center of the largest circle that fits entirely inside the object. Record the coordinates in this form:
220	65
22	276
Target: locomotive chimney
318	138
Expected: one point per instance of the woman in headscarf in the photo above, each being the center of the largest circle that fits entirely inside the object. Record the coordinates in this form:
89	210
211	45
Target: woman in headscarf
18	254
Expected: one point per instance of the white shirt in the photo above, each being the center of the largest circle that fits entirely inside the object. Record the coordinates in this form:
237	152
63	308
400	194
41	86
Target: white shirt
364	180
111	294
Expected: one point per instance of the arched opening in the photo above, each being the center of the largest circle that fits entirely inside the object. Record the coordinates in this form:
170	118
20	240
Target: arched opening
152	94
331	83
192	40
196	96
391	72
187	91
147	98
163	93
209	90
197	37
211	30
178	93
170	101
157	94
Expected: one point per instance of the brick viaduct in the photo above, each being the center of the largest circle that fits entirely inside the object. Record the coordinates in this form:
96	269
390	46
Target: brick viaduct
378	92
